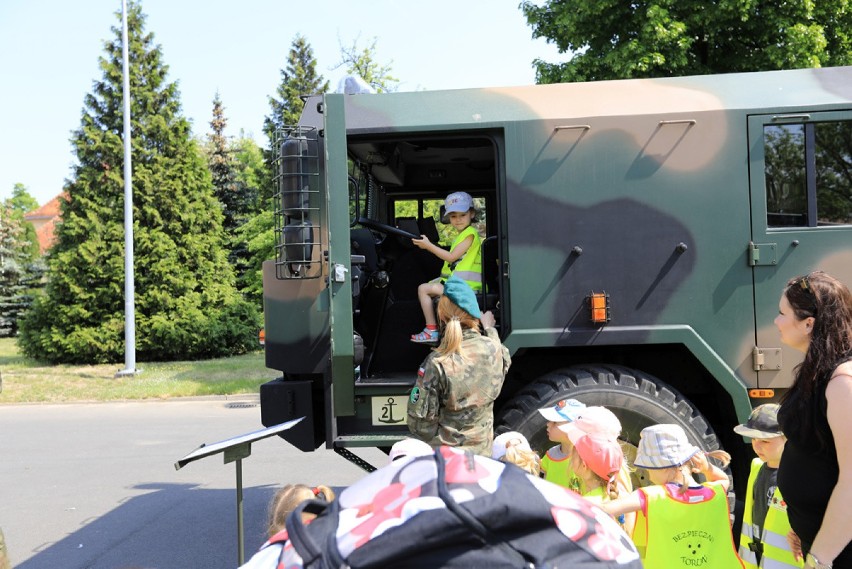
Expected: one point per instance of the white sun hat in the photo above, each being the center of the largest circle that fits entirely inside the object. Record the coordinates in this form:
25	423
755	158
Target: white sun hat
664	446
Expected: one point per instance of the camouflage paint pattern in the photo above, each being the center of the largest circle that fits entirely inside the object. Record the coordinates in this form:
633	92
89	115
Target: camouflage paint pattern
649	190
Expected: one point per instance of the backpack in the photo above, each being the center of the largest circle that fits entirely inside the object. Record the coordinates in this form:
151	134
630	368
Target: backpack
454	509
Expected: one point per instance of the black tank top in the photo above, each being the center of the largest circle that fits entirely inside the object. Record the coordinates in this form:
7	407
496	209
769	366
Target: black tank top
809	471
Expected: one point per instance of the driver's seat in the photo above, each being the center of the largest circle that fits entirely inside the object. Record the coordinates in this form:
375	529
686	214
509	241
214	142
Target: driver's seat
408	224
364	243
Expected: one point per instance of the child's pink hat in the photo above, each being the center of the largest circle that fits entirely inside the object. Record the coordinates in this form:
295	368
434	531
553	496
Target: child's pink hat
594	421
603	455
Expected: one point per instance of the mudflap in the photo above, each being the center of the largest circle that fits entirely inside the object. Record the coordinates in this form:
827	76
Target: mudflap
283	400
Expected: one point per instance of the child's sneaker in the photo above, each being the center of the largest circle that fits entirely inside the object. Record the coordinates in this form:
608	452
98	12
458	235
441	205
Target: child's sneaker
427	336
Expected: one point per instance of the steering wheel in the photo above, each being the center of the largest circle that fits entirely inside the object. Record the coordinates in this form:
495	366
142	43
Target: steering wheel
386	229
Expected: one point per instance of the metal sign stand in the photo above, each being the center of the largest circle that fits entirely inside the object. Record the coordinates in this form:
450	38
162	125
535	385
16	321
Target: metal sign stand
236	449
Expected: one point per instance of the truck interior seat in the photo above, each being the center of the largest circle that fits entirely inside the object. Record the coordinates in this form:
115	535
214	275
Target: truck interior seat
429	229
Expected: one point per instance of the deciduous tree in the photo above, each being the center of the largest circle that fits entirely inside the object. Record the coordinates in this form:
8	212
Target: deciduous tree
20	204
362	63
612	39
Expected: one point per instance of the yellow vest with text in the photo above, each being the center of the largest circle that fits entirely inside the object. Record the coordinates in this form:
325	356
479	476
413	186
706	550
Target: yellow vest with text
776	526
678	535
469	267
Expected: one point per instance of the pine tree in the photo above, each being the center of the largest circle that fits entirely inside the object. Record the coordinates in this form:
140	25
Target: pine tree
186	304
238	199
299	78
19	273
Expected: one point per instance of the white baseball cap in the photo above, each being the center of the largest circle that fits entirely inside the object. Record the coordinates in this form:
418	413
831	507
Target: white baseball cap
508	439
409	447
562	411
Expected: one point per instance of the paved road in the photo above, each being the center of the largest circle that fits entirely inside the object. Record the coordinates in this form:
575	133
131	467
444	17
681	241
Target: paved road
93	486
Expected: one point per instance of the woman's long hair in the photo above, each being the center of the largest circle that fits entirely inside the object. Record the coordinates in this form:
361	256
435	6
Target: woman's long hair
454	320
829	302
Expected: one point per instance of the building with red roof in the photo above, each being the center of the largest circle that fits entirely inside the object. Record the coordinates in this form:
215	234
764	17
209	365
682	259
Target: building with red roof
44	219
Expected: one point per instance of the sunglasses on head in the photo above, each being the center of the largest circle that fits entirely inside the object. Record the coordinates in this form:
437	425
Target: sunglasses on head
805	284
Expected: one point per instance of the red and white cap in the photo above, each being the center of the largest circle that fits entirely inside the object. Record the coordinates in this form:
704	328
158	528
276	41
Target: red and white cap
596	420
603	455
561	411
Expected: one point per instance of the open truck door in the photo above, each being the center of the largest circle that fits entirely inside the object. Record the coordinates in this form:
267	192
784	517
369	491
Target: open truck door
307	290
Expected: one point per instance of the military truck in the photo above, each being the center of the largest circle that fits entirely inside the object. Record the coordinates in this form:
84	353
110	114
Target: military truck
637	235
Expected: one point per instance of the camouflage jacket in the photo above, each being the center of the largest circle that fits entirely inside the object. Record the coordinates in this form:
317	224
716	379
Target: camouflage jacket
452	402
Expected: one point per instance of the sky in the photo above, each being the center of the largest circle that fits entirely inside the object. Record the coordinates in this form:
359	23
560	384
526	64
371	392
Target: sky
49	52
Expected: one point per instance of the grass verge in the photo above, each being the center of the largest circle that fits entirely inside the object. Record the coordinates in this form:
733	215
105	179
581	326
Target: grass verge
28	381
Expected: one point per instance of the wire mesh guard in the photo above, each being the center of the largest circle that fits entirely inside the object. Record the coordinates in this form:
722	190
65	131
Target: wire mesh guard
297	201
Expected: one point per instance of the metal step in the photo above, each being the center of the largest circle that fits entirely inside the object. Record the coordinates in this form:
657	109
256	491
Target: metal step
344	442
370	440
390	379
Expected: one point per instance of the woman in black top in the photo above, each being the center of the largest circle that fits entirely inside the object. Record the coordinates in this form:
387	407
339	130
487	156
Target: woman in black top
815	475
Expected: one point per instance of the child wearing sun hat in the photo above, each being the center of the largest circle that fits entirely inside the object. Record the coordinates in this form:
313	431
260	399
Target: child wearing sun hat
679	518
765	526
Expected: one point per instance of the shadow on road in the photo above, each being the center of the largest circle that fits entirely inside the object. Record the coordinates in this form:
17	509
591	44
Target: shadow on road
173	526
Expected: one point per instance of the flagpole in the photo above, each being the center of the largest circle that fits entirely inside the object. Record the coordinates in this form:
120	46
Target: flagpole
129	295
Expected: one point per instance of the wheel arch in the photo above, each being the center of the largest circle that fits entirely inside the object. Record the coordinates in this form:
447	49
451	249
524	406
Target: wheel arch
676	365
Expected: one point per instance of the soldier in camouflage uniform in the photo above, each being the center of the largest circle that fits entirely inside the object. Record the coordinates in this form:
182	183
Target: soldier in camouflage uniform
452	402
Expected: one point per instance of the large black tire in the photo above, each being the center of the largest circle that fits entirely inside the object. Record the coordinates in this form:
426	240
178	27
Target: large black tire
637	398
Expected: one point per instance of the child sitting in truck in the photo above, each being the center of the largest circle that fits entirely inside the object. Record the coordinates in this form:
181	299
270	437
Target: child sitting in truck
463	259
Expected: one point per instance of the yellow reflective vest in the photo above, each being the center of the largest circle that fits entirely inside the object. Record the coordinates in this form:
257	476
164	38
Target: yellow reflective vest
675	534
776	550
559	471
469	267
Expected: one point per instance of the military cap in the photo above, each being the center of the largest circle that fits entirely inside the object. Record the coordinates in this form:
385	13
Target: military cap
762	423
460	293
